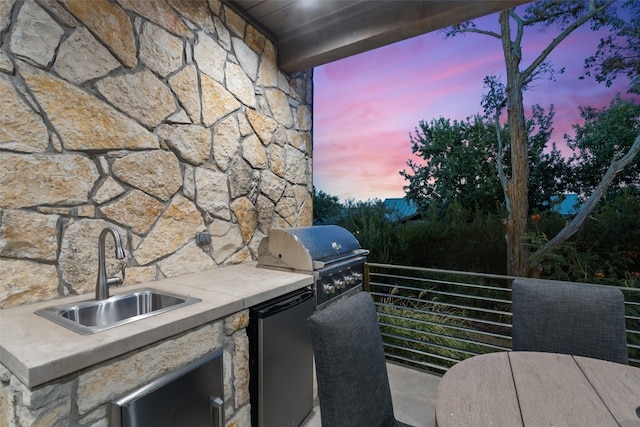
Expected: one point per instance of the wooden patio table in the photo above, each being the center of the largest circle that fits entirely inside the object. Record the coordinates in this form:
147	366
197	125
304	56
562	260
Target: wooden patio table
538	389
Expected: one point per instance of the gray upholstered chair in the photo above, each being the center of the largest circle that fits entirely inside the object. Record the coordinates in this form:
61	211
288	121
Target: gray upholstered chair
353	385
569	318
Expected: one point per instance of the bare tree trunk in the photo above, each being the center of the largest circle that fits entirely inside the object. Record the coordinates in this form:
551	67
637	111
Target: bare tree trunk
518	186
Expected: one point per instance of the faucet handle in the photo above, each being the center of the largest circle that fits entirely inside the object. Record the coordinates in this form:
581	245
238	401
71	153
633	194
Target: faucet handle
117	281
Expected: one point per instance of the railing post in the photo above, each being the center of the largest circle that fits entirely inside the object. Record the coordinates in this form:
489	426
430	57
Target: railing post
365	284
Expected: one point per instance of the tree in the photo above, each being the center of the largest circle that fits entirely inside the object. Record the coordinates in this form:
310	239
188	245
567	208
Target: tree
566	16
457	166
325	207
605	134
460	161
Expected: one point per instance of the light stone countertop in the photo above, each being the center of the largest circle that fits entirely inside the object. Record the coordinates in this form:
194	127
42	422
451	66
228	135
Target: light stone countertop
37	351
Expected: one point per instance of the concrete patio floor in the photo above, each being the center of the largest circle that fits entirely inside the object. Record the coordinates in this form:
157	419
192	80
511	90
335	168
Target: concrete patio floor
413	393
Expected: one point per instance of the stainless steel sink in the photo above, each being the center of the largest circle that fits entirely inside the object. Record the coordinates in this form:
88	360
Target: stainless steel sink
89	317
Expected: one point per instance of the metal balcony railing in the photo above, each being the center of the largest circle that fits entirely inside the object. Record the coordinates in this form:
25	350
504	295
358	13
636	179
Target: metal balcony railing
432	319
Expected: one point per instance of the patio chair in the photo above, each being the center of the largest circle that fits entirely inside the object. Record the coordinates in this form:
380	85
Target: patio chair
353	385
569	318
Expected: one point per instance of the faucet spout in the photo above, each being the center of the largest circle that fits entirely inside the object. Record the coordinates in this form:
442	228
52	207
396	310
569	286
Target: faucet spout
103	283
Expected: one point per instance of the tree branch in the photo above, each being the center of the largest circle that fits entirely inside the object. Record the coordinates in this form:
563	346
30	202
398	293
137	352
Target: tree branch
616	166
555	42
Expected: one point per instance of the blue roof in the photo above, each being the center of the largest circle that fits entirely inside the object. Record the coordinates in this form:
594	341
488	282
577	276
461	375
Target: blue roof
569	206
400	209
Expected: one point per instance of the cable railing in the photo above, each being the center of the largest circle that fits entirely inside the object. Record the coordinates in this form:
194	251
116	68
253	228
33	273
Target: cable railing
432	319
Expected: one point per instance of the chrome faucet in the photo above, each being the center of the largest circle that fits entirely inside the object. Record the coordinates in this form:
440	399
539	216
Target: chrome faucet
103	283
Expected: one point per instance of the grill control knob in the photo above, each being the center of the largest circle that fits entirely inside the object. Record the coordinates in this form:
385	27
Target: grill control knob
358	276
350	279
330	289
339	283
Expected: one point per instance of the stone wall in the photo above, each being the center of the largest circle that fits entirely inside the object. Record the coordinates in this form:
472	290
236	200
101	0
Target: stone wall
83	399
163	118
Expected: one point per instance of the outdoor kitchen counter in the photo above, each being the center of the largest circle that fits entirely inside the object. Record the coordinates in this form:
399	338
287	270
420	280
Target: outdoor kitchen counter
37	351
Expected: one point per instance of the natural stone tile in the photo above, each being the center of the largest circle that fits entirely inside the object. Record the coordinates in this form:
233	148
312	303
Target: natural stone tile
224	38
217	102
78	259
155	172
110	24
179	117
109	189
295	166
183	261
255	39
247	58
239	84
254	152
81	58
86	211
215	6
268	71
191	142
265	208
86	123
271	185
70	178
35	35
109	381
241	368
234	22
243	125
184	85
286	208
56	414
279	105
196	12
241	419
136	210
236	322
303	118
226	239
141	95
159	50
30	235
240	257
176	226
299	140
277	160
254	244
140	275
22	129
243	180
59	12
189	182
5	13
245	212
159	12
5	63
226	142
305	213
264	126
17	286
212	192
210	57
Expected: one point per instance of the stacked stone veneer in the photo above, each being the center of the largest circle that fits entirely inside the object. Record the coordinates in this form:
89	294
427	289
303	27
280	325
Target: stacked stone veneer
162	118
83	399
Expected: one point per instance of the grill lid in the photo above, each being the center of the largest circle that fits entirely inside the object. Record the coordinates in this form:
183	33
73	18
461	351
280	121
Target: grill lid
307	248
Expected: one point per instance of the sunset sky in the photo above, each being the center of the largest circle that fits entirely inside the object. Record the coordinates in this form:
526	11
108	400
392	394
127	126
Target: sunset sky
366	106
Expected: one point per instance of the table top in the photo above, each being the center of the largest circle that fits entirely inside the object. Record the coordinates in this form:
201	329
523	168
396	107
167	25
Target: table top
538	389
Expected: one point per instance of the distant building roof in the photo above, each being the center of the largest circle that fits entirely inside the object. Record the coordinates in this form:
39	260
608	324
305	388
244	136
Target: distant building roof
570	205
400	209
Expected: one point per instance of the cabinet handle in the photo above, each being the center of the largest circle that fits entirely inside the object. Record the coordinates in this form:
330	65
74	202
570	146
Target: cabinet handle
216	408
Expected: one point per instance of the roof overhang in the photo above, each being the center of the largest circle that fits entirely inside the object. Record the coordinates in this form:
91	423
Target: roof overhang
308	33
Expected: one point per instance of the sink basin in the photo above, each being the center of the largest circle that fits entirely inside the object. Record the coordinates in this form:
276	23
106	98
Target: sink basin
89	317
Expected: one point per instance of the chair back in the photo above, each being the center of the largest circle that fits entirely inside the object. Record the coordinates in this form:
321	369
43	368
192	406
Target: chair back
570	318
353	386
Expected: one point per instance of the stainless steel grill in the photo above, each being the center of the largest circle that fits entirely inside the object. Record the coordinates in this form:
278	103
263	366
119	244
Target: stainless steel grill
328	252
